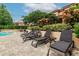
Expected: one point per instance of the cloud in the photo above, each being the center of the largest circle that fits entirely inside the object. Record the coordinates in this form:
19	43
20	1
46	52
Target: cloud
46	7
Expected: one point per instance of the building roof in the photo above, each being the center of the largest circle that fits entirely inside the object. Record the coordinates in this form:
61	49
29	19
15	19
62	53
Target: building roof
67	6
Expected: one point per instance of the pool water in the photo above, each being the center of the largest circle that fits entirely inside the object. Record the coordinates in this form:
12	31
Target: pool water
5	33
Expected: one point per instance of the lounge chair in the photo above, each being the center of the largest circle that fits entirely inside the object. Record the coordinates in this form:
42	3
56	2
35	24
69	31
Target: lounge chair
31	35
65	44
25	33
41	40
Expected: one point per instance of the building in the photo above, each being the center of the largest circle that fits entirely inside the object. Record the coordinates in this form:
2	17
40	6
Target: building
63	13
20	23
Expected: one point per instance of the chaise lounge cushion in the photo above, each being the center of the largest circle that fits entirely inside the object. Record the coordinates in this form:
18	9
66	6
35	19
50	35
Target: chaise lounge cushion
61	45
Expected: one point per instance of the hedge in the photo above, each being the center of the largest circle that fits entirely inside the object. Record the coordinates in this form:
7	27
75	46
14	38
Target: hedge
12	27
54	27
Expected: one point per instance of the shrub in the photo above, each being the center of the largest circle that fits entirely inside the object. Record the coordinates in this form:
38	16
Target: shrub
57	27
46	27
20	27
61	27
54	27
12	27
76	29
6	27
34	27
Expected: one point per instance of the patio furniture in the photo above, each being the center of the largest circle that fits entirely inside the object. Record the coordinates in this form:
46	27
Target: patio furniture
31	35
65	44
24	34
41	40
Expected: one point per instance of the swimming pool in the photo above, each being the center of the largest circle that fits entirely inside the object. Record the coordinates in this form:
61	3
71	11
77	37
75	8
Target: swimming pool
5	33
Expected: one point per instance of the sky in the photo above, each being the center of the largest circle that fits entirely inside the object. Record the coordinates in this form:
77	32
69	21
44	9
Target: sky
17	10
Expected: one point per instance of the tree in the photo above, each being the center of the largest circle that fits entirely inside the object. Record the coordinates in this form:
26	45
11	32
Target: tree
52	18
74	6
5	17
70	15
38	15
74	11
34	16
66	16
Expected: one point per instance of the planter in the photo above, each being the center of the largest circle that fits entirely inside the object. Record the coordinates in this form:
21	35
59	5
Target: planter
55	34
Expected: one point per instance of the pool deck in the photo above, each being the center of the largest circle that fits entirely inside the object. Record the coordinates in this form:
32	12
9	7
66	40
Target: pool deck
13	46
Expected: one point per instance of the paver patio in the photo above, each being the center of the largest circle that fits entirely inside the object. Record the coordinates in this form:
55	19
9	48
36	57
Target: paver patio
14	46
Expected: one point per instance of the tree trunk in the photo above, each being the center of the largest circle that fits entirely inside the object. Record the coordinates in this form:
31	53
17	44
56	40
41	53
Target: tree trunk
63	20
